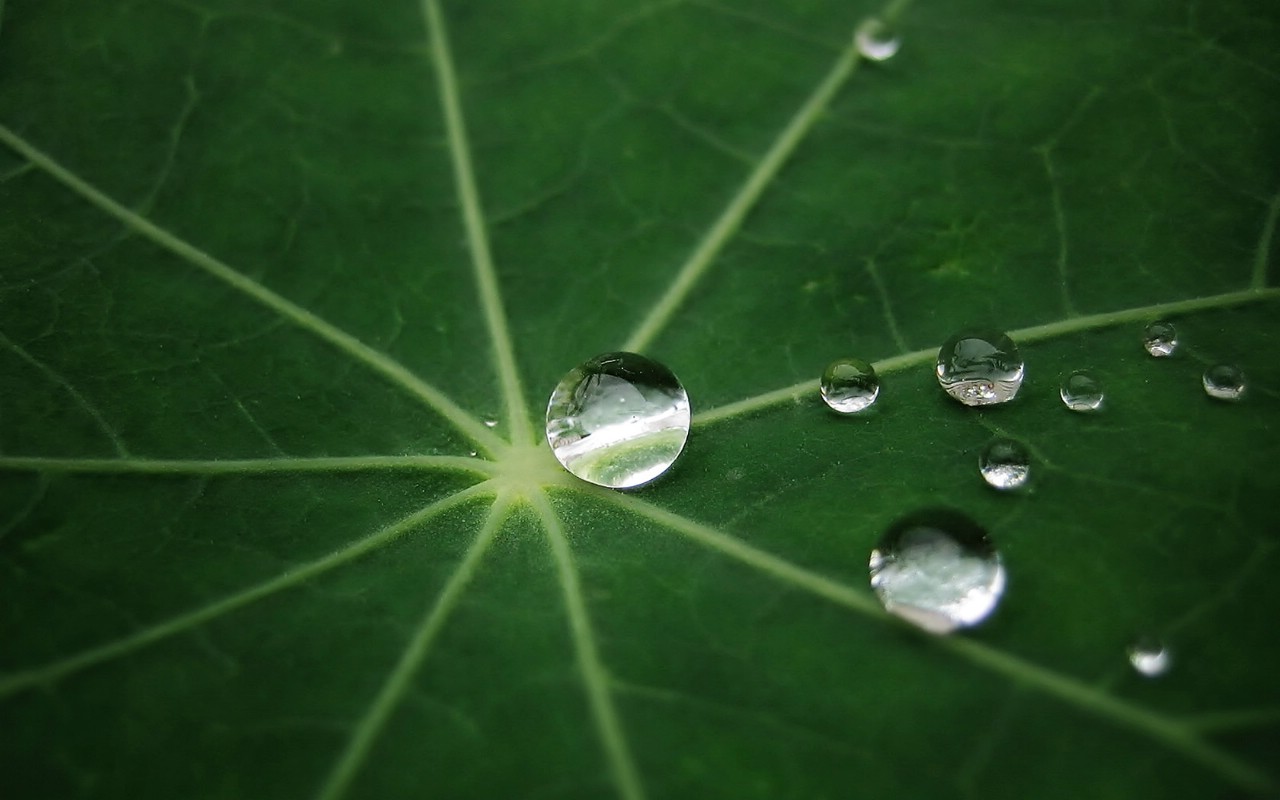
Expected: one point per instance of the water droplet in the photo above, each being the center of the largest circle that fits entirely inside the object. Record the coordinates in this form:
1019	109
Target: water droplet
491	423
1005	464
938	570
1160	339
473	453
618	420
1150	657
980	367
849	385
876	40
1081	391
1224	381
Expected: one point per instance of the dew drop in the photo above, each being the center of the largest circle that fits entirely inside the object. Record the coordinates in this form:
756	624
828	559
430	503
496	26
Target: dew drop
980	367
1081	391
491	423
1004	464
938	570
849	385
1160	339
876	40
618	420
473	453
1224	382
1150	657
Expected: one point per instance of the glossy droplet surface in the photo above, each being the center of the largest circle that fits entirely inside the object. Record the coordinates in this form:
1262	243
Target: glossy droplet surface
1004	464
849	385
1081	391
938	570
619	420
491	423
1150	657
1160	339
1224	382
980	367
876	40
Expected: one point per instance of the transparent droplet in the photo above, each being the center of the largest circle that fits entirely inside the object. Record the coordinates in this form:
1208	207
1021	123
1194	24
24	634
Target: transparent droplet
876	40
1224	381
1081	391
1160	339
849	385
473	453
980	367
938	570
491	423
1150	657
618	420
1004	464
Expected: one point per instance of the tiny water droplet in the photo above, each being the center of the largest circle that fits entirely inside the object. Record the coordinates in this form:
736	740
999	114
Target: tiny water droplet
1150	657
1224	382
1004	464
849	385
618	420
1081	391
473	453
938	570
1160	339
876	40
491	423
980	367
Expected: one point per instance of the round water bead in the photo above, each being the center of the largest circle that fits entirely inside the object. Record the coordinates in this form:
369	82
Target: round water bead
1081	391
938	570
1150	657
1224	381
618	420
1004	464
849	385
1160	339
980	367
876	40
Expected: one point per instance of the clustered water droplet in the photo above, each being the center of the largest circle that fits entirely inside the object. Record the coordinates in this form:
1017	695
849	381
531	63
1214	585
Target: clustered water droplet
875	40
980	367
849	385
1224	382
1150	657
1004	464
1160	339
1081	391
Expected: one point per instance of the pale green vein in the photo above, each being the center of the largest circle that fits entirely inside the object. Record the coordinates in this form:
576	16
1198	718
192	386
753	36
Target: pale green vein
473	217
1060	225
595	676
1172	733
1225	721
890	319
415	653
55	377
379	362
245	466
50	673
1262	255
798	391
731	218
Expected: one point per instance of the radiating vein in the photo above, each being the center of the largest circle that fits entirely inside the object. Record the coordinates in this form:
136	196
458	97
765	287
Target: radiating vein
1262	255
730	219
1172	733
415	653
473	217
375	360
245	466
594	675
50	673
1036	333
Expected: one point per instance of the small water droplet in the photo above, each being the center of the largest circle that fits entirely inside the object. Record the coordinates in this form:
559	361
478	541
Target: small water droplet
1004	464
849	385
876	40
1160	339
980	367
1081	391
1150	657
618	420
473	453
1224	381
491	423
938	570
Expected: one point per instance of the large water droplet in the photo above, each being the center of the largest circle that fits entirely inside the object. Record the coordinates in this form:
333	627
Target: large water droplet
1081	391
1005	464
876	40
1150	657
1160	339
980	367
618	420
1224	381
938	570
849	385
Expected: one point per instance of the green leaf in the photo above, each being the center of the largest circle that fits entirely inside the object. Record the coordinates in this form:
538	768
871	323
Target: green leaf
286	285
